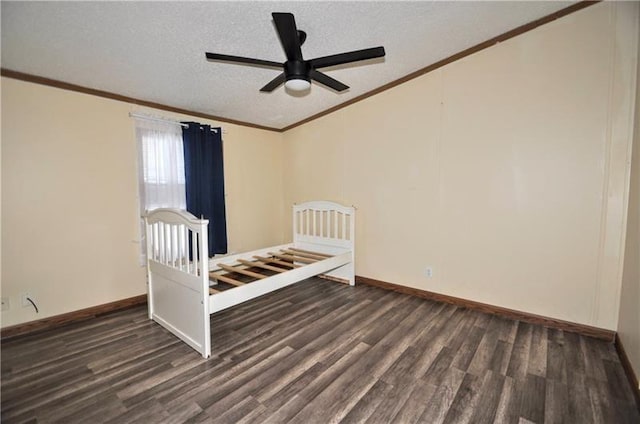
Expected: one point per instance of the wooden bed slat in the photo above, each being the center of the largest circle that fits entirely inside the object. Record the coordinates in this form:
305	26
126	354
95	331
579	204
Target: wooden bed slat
262	265
225	279
241	271
275	261
213	291
322	255
305	255
293	258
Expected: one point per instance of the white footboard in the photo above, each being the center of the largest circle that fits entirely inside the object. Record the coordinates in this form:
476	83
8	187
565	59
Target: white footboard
178	275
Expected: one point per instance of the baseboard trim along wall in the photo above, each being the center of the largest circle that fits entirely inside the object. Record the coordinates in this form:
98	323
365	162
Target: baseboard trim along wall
628	369
586	330
68	318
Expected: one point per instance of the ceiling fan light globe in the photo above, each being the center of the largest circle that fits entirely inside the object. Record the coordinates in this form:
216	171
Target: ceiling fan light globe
297	84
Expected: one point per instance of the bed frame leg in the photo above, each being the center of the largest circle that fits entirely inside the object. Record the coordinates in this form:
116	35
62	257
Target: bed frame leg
344	273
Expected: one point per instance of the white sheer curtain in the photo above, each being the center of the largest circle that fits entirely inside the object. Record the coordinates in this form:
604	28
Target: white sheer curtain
161	165
161	170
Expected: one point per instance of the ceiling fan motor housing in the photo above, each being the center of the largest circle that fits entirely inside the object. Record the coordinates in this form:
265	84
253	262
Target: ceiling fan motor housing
296	69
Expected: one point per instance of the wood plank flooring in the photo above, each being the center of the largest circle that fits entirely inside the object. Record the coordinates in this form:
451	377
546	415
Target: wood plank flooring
317	352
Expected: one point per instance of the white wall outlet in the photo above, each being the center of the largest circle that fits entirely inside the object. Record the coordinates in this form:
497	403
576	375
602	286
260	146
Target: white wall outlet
24	299
5	304
428	272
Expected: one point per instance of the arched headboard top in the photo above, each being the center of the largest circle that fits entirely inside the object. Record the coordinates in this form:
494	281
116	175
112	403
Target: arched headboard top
323	205
175	216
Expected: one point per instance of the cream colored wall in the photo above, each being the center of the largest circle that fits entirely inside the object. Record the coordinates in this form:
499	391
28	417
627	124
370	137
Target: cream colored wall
69	198
504	171
629	317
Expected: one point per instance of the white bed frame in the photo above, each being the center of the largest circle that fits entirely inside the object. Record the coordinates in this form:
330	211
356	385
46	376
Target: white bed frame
181	292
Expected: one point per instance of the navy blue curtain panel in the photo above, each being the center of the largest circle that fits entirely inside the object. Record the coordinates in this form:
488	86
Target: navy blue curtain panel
204	172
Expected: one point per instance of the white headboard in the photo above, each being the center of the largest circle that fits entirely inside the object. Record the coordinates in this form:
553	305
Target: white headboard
324	223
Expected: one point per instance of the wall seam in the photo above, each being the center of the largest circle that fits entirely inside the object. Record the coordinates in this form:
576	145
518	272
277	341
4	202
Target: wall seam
604	202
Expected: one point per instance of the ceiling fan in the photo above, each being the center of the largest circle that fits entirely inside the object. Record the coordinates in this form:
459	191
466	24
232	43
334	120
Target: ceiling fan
298	72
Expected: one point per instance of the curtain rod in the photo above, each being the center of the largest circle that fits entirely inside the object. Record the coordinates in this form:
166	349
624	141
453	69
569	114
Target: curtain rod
167	120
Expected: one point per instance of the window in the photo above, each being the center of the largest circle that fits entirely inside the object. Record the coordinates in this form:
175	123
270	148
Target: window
161	165
161	177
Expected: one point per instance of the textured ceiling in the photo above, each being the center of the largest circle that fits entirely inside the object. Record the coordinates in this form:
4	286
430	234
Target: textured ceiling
154	51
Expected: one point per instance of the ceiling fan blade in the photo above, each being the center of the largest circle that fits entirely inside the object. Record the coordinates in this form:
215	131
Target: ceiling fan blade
246	60
354	56
274	83
325	79
288	33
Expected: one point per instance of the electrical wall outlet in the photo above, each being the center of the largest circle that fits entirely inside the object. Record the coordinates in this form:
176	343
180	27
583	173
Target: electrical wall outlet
24	299
428	272
5	304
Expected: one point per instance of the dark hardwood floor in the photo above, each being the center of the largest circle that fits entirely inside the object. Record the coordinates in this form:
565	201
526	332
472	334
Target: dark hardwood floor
317	352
